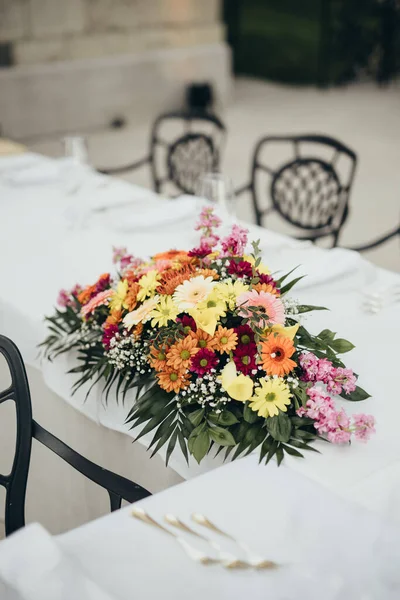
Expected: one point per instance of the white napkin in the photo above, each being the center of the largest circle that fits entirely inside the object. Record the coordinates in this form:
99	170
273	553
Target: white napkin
152	214
320	266
33	567
43	171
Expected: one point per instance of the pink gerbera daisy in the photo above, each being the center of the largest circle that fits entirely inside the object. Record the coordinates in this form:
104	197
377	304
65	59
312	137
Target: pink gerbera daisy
269	305
204	361
98	300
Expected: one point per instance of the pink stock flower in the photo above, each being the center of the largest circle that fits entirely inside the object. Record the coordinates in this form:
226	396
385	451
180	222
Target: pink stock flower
210	240
235	243
309	362
118	253
325	370
66	298
266	303
364	426
339	436
98	300
346	378
207	219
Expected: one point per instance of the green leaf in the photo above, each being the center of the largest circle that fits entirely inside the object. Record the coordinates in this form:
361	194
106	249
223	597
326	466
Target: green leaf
249	415
357	395
265	447
284	277
200	446
279	427
326	335
303	308
221	436
286	288
171	446
272	449
183	445
341	346
292	451
279	455
196	417
225	418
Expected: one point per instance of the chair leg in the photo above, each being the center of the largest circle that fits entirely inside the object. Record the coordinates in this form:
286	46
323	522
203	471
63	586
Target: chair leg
115	501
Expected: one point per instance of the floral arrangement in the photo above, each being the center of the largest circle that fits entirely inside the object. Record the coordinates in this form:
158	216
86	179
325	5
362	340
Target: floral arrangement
215	349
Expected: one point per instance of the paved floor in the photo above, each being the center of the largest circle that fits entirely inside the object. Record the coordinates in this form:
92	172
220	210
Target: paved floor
363	116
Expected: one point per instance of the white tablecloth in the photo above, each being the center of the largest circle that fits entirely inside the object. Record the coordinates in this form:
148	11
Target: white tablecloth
58	229
327	548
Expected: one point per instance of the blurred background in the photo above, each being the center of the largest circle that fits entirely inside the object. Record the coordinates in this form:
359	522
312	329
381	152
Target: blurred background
105	69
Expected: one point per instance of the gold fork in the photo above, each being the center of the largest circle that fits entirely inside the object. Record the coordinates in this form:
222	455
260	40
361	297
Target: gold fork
255	561
193	553
228	560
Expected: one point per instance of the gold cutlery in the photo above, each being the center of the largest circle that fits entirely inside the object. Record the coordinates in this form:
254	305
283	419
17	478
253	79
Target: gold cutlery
228	560
193	553
254	561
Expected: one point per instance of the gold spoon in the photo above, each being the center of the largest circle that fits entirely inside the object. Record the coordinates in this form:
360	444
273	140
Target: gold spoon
255	561
193	553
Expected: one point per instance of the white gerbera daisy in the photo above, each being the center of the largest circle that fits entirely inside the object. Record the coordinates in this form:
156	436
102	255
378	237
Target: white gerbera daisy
141	314
189	293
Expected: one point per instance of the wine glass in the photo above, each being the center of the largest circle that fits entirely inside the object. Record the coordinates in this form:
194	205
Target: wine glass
218	189
76	147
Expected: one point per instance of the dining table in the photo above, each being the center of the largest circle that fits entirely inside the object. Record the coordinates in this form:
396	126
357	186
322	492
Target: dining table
319	546
60	220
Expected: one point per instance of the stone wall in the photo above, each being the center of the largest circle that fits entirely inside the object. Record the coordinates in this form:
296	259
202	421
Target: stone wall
43	31
75	65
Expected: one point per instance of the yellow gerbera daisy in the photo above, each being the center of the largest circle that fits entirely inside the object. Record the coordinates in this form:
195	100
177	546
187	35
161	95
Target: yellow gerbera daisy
119	296
148	284
165	311
229	291
273	394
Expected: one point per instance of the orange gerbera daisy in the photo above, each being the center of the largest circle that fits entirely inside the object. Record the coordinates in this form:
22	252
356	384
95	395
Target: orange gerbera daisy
130	301
225	339
180	354
170	255
203	339
266	287
114	317
275	355
173	277
158	358
173	380
86	294
137	331
208	273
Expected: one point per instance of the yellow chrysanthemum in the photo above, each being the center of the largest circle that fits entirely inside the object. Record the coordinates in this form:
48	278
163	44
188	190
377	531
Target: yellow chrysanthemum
263	269
213	301
148	284
119	296
238	387
273	394
229	291
165	311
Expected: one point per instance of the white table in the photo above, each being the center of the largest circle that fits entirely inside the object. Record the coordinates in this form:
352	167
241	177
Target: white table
47	244
327	548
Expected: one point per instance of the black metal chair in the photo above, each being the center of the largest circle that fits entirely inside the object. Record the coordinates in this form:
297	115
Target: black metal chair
379	241
308	191
178	162
117	487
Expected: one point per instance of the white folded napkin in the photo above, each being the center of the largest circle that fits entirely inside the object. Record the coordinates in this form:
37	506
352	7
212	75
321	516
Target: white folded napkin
152	214
33	567
43	171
